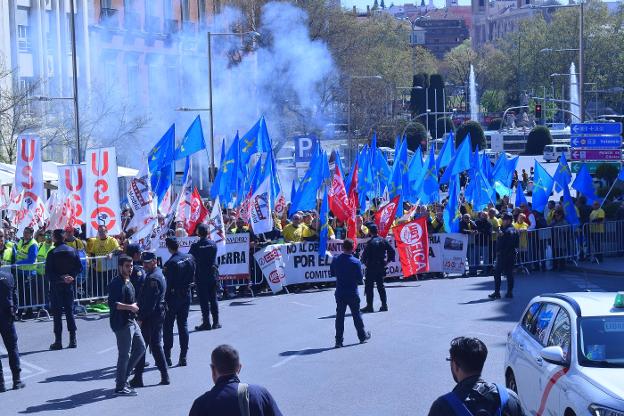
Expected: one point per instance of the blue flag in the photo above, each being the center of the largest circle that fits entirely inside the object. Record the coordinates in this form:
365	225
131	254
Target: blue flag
257	177
462	157
482	194
256	140
499	173
160	162
562	177
542	187
399	173
520	198
193	140
226	184
447	152
382	170
584	184
428	188
621	174
512	164
305	198
569	209
270	170
415	171
293	190
324	224
452	214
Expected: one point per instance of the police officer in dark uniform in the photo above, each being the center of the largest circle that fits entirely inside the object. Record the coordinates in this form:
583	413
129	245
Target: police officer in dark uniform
62	266
151	302
179	272
506	248
138	273
377	253
205	254
8	310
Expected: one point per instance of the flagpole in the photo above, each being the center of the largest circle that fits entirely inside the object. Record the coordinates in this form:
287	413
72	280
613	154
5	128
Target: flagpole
607	195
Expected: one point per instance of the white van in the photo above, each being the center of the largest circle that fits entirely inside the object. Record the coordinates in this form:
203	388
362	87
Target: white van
552	152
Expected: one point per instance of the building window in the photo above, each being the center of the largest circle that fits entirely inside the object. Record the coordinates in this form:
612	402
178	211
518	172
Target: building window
23	38
106	4
186	10
151	8
129	5
167	9
201	13
133	82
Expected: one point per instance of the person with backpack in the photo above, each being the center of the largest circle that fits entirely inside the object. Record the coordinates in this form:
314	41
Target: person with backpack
473	396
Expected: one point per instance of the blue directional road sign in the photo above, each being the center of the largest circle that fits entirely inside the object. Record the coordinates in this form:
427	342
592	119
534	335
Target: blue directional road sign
596	142
596	128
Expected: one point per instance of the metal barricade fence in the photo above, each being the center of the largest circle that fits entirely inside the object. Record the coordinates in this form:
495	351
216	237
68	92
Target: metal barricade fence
603	239
31	286
481	252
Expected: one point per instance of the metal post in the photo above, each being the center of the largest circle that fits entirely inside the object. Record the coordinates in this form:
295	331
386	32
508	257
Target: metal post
581	63
435	107
72	27
212	148
349	139
444	107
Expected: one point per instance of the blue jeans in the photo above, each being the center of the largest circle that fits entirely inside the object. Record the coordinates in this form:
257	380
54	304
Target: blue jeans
131	348
341	307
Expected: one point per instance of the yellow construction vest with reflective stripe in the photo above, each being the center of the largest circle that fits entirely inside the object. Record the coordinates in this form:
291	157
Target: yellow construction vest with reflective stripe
7	254
42	255
22	253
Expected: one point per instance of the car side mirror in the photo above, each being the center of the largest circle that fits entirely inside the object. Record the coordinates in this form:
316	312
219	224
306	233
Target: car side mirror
554	355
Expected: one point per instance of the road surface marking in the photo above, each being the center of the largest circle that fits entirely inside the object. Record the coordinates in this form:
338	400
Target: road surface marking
302	304
289	358
107	350
420	324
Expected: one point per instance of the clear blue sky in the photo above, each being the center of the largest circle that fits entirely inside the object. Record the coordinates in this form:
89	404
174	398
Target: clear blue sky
361	4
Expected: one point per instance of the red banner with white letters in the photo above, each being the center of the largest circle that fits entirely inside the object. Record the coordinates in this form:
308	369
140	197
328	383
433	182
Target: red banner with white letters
102	199
412	242
385	216
337	196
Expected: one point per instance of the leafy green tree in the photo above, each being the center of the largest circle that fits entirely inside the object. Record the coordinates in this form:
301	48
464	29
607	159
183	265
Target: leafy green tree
477	136
607	171
416	135
538	138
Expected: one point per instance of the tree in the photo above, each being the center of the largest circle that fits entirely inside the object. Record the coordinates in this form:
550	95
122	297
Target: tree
416	135
423	61
538	138
444	125
477	136
375	5
607	171
383	5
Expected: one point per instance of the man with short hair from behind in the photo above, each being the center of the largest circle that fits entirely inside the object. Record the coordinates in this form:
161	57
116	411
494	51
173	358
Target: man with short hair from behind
472	395
230	397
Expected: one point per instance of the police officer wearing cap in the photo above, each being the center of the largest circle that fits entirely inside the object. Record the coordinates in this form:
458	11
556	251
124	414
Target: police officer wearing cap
138	272
506	248
179	273
62	266
205	253
151	302
8	310
377	253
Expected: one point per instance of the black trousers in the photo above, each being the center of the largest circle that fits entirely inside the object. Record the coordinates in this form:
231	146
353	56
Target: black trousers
207	293
341	308
62	300
503	267
9	337
152	330
177	312
374	278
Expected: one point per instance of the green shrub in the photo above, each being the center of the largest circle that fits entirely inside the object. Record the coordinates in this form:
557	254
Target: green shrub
477	136
538	138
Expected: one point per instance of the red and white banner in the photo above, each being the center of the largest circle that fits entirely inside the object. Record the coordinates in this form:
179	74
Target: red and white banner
102	200
216	227
385	216
260	214
141	200
197	213
338	199
29	183
71	185
412	243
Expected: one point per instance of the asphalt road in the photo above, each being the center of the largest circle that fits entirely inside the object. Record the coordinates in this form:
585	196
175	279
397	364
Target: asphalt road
286	343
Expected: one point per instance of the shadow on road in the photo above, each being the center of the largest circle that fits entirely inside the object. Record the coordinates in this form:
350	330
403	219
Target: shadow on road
476	301
73	401
312	351
100	373
242	303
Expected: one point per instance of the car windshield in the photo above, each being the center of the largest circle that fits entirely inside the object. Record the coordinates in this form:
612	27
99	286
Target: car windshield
601	341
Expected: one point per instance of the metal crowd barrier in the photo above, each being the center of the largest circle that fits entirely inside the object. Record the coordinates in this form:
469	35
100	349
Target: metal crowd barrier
603	239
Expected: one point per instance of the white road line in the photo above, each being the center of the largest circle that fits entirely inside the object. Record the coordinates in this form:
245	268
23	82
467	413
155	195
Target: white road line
302	304
289	358
107	350
420	324
487	335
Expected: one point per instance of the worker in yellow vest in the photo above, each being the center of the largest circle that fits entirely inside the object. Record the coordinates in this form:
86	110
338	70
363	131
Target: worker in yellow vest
6	250
25	254
44	248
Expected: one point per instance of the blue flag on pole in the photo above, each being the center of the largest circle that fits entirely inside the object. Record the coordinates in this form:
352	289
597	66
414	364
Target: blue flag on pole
256	140
160	162
399	172
542	187
452	214
193	140
447	152
621	174
520	198
568	208
584	184
324	224
463	156
226	184
415	171
428	188
563	176
305	199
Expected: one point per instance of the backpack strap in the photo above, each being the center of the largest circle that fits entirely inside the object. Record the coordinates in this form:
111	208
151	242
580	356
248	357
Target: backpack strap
457	406
243	398
504	397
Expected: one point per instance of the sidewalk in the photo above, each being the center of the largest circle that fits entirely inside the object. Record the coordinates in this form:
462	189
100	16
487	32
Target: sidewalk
612	266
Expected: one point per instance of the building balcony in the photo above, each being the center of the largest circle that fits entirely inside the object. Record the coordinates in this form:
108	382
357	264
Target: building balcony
132	21
109	18
153	24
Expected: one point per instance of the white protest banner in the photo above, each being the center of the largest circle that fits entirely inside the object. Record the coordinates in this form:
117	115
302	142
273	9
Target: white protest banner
302	263
216	227
260	208
233	257
450	251
29	182
71	185
102	200
271	263
141	200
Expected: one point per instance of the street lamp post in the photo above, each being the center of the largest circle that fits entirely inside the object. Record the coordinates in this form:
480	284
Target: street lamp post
349	136
75	78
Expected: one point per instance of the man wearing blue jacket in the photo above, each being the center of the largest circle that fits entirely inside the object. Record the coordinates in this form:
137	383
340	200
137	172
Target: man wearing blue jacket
348	272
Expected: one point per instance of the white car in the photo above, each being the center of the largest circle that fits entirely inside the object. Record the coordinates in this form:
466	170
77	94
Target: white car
566	356
552	152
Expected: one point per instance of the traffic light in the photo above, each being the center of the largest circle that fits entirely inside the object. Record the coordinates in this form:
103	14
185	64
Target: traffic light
538	112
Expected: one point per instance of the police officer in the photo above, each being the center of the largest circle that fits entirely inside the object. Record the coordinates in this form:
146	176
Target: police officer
205	253
506	248
377	253
179	273
138	273
62	266
151	302
8	309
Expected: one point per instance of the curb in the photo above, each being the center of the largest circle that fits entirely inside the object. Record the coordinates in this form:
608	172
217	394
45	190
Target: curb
596	271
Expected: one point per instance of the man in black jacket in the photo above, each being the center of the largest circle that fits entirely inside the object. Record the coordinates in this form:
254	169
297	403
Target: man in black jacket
62	266
506	248
377	253
230	397
205	254
472	394
8	309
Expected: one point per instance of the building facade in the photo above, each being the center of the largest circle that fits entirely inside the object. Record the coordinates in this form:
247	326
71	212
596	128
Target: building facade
439	31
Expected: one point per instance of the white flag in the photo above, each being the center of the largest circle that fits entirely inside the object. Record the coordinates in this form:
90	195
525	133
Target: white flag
71	185
216	227
260	208
141	200
29	181
102	200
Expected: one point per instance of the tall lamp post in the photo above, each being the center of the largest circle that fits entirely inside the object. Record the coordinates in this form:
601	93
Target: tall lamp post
349	136
254	34
72	27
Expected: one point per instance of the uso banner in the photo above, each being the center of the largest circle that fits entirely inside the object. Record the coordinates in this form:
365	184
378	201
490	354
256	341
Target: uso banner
102	199
271	262
413	246
233	257
71	185
29	183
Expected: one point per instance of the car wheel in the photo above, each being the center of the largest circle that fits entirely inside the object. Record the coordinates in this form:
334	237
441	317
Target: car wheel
510	381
